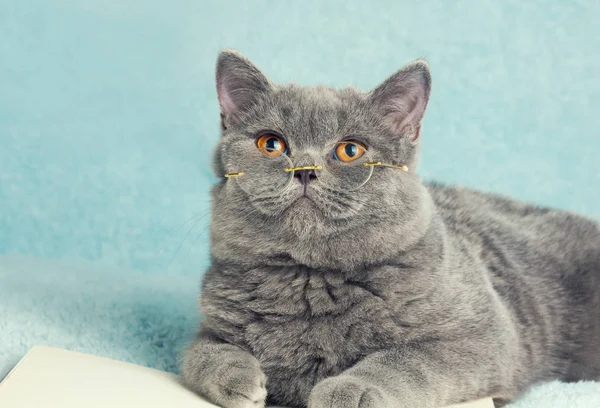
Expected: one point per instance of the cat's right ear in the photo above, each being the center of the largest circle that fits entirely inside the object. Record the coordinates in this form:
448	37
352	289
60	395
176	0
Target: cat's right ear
239	85
402	99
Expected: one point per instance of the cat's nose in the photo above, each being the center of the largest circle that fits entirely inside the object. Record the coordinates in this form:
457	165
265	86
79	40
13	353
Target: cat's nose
305	176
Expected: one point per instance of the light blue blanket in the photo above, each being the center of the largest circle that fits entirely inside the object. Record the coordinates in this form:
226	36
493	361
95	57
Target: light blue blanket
140	318
108	115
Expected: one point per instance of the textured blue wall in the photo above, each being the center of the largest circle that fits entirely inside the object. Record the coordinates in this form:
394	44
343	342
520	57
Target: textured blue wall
108	111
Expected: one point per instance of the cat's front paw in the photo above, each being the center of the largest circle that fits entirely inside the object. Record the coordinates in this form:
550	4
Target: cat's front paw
235	381
346	391
239	384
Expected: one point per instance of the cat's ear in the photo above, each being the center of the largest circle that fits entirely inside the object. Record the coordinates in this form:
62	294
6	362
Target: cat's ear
239	84
402	98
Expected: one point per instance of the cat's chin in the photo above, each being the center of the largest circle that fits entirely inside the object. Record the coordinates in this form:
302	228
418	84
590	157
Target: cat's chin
304	200
303	217
304	205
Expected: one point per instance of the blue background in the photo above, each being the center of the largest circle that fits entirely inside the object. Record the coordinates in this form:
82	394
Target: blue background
108	116
108	111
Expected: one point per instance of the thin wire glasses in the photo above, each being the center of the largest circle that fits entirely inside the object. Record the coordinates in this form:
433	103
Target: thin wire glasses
344	166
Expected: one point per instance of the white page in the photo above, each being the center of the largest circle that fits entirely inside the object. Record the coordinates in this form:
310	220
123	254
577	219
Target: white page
56	378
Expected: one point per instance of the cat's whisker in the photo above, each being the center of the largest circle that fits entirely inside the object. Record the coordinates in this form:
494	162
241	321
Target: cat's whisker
186	237
202	232
170	234
249	214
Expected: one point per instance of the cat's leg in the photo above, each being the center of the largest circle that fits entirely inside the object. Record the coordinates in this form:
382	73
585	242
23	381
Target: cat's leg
429	375
225	374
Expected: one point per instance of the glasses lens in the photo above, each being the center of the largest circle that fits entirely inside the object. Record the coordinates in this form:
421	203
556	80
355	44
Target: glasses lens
344	167
264	172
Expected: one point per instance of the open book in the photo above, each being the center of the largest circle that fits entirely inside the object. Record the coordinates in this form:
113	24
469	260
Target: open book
55	378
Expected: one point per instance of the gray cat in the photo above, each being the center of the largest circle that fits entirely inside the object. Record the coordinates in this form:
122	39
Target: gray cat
330	293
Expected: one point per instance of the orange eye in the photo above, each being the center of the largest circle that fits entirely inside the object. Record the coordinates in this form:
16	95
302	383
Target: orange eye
348	151
271	145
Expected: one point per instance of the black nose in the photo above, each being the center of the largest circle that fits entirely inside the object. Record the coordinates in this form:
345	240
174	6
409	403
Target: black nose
305	176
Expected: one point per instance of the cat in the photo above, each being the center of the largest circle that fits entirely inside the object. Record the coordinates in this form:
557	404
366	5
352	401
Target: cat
399	293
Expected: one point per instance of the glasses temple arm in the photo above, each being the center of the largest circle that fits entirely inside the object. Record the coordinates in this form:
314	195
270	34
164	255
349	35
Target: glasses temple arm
230	175
381	164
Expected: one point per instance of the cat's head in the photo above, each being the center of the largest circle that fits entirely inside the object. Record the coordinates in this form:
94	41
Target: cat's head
308	221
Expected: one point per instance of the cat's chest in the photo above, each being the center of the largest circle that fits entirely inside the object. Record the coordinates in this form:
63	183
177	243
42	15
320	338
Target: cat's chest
307	323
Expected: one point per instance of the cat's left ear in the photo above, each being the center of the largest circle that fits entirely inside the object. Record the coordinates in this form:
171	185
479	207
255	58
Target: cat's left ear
240	84
402	99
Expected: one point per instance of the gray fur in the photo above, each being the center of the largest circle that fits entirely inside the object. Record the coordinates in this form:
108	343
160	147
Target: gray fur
400	294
